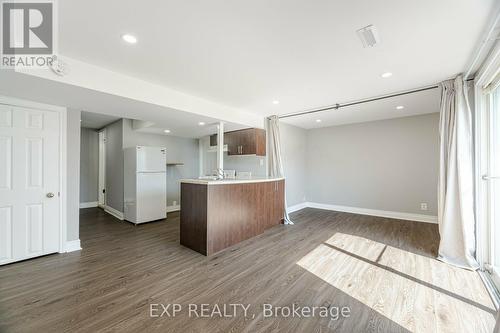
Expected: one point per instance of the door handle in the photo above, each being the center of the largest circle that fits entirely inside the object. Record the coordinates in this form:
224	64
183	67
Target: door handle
50	195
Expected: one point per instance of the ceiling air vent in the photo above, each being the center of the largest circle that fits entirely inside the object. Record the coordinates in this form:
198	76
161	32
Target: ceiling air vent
368	35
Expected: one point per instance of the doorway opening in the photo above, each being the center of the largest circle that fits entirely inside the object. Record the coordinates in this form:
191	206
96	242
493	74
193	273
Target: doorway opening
102	169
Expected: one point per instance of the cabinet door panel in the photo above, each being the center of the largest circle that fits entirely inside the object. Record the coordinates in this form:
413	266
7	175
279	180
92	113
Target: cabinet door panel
272	203
247	141
233	141
281	200
269	219
260	142
250	141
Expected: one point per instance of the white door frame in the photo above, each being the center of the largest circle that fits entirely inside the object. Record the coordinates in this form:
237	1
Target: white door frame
487	72
483	232
102	173
63	116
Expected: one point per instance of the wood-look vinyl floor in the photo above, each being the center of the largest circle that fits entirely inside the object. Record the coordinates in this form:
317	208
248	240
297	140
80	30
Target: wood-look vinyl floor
382	269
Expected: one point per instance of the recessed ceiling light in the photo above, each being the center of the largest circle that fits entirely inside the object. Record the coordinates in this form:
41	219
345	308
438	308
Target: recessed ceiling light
318	120
276	102
166	131
400	107
131	39
201	123
386	75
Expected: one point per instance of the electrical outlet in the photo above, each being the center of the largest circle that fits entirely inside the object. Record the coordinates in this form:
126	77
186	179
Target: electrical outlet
261	162
423	206
175	203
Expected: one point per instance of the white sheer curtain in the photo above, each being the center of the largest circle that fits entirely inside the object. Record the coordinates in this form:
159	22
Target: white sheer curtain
455	189
275	159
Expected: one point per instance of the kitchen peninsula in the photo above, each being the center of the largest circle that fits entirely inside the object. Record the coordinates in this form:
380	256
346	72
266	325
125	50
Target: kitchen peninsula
216	214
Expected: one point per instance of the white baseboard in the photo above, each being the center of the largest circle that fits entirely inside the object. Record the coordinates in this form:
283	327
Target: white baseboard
366	211
114	212
71	246
89	204
376	212
173	208
297	207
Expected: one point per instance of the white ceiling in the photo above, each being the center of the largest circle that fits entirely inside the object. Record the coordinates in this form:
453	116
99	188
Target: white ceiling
176	128
305	54
242	55
414	104
96	120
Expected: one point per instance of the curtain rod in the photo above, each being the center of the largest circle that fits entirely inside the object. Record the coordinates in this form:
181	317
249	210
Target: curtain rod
338	106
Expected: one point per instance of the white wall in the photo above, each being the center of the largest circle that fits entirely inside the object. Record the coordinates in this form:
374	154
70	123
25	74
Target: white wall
73	175
249	163
89	165
293	150
387	165
114	165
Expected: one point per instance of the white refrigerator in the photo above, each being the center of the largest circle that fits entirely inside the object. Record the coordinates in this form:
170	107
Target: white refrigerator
145	184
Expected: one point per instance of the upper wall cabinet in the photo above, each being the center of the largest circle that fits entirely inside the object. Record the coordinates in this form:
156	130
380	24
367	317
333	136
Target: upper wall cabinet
250	141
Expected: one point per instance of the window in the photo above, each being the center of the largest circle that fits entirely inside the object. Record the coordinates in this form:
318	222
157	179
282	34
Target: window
488	176
492	179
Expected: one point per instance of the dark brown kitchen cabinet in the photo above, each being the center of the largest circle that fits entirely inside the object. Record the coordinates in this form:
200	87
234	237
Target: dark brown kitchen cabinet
250	141
218	215
273	197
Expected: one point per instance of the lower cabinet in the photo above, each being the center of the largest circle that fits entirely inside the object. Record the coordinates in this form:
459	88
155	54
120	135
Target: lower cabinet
226	214
273	197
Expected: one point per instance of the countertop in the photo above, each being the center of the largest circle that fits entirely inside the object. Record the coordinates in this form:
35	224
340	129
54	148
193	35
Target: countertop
230	181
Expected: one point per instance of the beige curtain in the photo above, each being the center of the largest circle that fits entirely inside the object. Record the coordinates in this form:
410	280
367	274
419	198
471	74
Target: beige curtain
455	189
275	159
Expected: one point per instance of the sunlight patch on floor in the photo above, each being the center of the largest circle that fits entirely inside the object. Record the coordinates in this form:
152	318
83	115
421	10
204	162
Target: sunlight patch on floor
417	292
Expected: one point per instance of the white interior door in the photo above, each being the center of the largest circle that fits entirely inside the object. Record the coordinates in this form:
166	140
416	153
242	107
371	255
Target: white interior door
29	183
